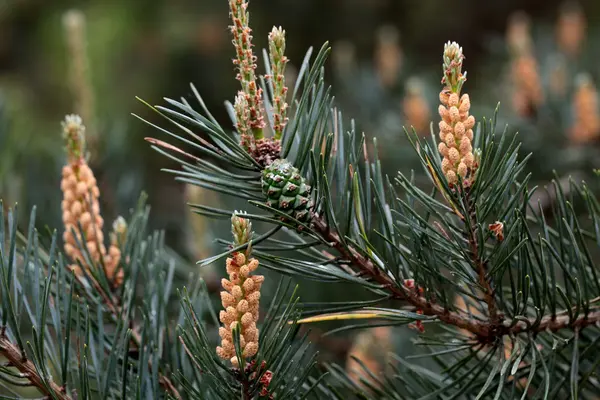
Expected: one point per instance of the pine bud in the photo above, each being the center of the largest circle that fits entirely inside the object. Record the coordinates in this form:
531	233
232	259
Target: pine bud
246	65
497	229
453	59
74	135
278	62
241	229
120	227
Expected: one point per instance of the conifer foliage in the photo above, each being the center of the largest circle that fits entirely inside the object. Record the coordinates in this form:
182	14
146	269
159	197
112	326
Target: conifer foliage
503	294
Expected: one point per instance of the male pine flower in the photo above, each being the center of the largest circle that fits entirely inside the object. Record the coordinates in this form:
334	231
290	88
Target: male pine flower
80	207
415	107
586	112
456	126
527	91
240	298
571	29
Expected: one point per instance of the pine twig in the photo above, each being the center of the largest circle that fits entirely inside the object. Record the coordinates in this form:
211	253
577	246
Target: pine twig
246	390
557	323
27	368
400	292
481	269
485	331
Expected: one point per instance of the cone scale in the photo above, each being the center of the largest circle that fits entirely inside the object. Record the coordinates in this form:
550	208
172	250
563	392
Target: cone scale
286	190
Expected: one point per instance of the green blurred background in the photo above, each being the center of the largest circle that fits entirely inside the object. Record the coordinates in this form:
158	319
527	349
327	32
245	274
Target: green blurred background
385	68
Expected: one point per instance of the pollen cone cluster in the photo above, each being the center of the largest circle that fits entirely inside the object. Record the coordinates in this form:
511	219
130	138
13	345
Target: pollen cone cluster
415	107
527	92
240	299
81	209
587	117
571	29
456	126
388	56
372	347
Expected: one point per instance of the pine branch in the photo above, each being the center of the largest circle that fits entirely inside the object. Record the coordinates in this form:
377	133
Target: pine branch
557	323
486	332
484	165
399	291
29	371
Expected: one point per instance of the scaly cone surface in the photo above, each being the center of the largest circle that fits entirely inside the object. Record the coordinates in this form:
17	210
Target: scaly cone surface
286	190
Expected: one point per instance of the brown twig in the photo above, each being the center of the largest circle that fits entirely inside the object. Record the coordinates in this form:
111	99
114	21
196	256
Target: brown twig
480	267
246	390
401	292
488	292
27	368
559	322
485	331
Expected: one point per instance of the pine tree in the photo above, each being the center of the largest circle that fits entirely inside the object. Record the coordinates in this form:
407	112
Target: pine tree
503	294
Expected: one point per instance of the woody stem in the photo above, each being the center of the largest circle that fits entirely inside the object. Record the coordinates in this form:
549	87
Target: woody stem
485	332
480	265
27	368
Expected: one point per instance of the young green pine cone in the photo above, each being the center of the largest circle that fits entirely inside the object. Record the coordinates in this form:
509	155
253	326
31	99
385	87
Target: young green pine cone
456	126
240	300
286	190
